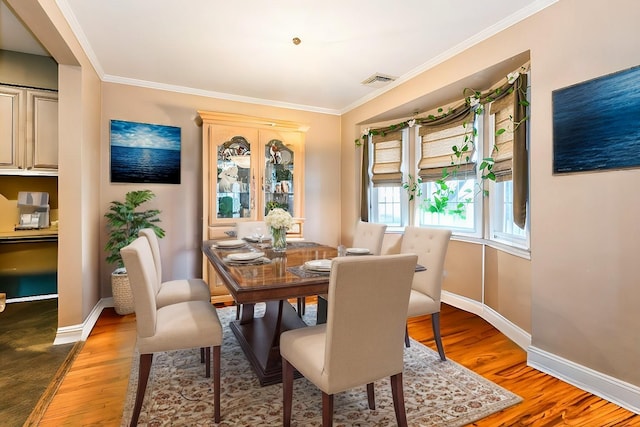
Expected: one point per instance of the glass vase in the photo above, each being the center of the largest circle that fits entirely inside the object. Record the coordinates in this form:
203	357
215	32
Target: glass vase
279	236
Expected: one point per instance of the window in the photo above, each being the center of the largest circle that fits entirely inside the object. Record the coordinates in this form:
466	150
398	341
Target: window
503	227
386	192
448	186
428	171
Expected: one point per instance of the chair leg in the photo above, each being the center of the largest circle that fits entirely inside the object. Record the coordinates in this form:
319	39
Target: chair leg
371	396
327	409
302	306
143	378
435	324
237	311
201	354
207	361
407	343
398	400
287	392
216	384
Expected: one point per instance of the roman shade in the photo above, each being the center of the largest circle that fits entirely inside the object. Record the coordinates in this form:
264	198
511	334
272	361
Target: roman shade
437	142
502	152
510	153
387	159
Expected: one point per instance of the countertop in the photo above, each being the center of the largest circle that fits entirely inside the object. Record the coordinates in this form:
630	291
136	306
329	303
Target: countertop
41	235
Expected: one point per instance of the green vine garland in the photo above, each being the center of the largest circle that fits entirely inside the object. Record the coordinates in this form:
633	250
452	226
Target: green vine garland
475	101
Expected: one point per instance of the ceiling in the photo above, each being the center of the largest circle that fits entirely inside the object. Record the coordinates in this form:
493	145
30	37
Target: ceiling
243	49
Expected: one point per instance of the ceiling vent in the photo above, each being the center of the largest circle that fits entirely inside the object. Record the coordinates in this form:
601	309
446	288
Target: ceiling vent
378	80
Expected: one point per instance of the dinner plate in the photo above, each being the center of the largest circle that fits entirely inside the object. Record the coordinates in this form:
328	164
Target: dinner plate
318	265
358	251
230	243
245	256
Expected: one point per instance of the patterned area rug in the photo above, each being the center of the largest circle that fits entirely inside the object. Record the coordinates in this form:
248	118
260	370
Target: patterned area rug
436	393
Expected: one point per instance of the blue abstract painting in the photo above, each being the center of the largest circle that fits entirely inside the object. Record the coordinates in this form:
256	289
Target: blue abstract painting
596	124
142	152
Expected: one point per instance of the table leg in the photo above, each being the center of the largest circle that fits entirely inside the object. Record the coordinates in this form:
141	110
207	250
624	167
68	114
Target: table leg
259	337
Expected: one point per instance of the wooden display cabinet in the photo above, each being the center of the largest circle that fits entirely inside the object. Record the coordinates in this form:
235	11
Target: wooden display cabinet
250	165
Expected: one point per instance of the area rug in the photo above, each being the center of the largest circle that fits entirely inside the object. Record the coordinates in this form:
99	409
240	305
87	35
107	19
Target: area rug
31	367
436	393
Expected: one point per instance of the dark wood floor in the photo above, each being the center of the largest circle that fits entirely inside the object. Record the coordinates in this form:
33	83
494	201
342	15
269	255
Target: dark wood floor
93	391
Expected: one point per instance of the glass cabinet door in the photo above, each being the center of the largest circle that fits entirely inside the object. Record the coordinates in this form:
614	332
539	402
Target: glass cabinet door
233	192
279	191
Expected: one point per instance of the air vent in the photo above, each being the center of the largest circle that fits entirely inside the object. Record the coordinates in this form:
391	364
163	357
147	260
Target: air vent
378	80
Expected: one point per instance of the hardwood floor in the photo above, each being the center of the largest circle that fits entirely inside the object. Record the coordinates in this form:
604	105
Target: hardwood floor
94	389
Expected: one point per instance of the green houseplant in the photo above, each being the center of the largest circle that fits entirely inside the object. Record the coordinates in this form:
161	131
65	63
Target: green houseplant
124	220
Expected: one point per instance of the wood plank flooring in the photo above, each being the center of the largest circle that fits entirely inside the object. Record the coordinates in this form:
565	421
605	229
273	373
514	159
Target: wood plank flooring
93	391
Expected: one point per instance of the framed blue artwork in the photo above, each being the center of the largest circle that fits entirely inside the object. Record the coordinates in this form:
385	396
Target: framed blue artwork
144	153
596	124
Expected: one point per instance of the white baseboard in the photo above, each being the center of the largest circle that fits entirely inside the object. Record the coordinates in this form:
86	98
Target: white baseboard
80	332
612	389
512	331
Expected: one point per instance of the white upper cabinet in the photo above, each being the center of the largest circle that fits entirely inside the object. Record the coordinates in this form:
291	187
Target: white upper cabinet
28	131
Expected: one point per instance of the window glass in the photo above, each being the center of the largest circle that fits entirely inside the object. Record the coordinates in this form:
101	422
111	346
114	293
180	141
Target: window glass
448	204
387	205
503	229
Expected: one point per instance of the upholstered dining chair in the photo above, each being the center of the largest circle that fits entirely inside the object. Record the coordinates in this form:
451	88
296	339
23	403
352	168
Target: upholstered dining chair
369	235
430	244
251	228
173	291
183	325
362	339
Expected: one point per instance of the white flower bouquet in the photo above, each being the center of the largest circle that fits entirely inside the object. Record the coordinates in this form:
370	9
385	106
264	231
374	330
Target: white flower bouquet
278	218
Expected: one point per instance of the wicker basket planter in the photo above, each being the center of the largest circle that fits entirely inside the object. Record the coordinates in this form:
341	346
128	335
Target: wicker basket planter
121	290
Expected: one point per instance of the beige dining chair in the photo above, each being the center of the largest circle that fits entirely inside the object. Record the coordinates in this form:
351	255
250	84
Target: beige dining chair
183	325
430	244
173	291
251	229
369	235
362	339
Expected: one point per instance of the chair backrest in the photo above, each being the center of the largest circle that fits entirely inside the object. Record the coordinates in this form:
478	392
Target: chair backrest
369	235
366	317
154	243
138	260
430	244
249	228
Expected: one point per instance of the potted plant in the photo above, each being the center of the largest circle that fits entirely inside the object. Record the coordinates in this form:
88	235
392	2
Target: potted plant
124	220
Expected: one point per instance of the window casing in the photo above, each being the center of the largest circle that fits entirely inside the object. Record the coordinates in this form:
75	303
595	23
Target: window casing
487	217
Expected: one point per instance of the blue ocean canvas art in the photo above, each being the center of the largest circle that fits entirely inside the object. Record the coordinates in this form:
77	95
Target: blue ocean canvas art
142	152
596	124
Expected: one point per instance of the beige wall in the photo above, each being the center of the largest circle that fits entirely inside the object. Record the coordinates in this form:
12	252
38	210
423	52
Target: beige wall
584	296
181	205
507	286
21	69
78	185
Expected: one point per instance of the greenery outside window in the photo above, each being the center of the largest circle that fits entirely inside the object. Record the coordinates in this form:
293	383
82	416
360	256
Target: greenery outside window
455	174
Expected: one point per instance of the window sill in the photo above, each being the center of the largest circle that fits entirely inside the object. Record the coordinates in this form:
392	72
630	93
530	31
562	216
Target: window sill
512	250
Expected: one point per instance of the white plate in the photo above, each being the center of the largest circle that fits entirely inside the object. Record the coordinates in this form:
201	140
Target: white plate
318	265
245	256
358	251
230	243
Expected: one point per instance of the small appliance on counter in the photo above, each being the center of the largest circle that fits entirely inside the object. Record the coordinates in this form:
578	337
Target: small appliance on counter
33	210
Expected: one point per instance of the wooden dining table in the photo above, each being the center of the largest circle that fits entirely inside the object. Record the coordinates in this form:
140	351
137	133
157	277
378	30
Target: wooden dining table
277	278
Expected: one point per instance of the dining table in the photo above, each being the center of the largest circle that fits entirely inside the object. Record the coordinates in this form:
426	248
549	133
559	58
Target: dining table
253	273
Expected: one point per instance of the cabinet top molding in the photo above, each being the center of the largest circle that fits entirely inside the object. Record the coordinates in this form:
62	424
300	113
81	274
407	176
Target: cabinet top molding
240	119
